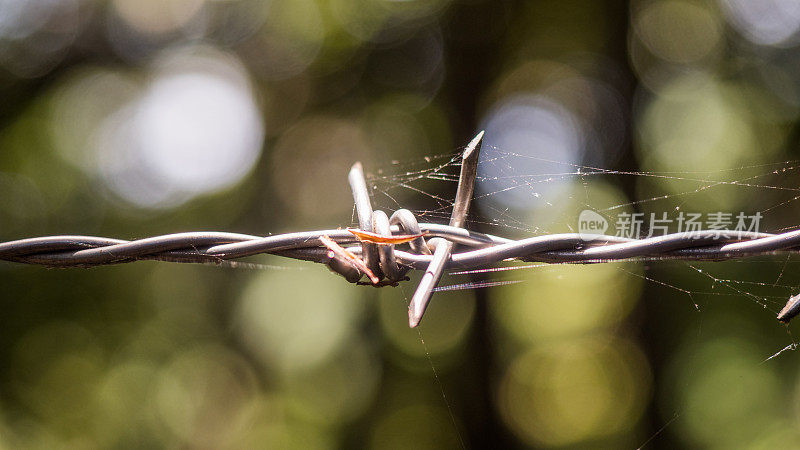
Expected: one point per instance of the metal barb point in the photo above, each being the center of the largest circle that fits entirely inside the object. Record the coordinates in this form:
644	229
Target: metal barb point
364	211
791	309
466	186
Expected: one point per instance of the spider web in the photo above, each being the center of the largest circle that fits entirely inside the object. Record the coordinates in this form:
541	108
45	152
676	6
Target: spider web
520	196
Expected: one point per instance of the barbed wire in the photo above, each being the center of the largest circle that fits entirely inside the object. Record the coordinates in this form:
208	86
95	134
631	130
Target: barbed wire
482	249
429	250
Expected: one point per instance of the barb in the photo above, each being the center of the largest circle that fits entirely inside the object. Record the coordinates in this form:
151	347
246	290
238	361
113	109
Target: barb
388	264
466	185
345	256
791	309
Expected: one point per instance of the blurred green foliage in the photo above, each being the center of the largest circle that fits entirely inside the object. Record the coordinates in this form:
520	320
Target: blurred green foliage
130	118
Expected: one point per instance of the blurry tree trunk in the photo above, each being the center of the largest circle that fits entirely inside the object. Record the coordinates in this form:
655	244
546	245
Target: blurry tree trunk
474	34
475	38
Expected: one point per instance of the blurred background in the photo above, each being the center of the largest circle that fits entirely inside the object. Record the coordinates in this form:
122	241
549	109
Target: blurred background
132	118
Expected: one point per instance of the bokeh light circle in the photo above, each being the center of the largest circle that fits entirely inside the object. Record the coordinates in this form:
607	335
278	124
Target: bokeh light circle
679	32
765	22
291	329
194	128
534	129
572	391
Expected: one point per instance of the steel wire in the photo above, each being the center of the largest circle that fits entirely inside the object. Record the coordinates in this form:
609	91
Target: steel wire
477	249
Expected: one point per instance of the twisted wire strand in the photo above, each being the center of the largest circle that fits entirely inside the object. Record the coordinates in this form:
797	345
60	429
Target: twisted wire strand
479	249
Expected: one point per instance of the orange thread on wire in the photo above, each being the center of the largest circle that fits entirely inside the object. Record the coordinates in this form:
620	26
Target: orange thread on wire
366	236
